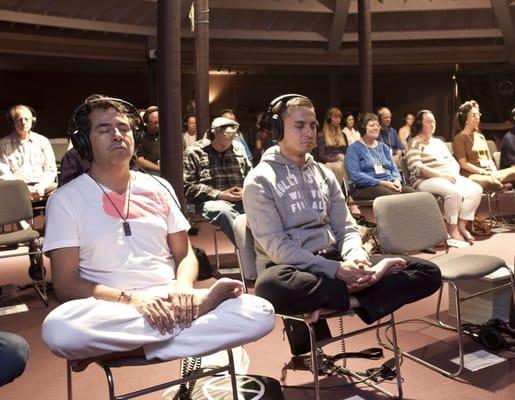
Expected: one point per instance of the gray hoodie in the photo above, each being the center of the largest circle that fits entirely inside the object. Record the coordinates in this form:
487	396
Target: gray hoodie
294	212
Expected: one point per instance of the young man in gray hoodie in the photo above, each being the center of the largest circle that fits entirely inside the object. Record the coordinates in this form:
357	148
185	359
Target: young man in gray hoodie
306	238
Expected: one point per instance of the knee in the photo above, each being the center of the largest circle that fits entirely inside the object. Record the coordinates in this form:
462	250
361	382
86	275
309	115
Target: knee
14	352
258	315
60	335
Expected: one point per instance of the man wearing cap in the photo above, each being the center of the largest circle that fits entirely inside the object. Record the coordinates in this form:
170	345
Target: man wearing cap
214	170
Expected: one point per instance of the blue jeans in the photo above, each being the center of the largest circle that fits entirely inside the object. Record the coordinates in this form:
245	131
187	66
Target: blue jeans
222	213
14	352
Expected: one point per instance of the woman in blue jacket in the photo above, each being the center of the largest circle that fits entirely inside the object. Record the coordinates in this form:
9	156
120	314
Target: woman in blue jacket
370	166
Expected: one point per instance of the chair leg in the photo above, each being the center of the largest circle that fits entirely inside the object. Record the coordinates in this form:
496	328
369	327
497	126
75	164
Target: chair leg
69	390
217	255
314	360
397	355
232	374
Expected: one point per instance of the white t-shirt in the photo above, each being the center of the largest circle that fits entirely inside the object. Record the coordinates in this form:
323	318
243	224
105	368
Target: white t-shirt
80	215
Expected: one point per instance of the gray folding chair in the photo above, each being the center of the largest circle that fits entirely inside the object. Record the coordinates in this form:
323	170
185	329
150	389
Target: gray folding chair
247	262
16	210
412	222
193	375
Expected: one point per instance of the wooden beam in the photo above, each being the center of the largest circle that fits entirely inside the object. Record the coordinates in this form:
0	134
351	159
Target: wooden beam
76	23
505	21
341	10
28	44
422	5
310	6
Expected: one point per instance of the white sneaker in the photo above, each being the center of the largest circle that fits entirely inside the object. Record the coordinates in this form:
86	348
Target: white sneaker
457	243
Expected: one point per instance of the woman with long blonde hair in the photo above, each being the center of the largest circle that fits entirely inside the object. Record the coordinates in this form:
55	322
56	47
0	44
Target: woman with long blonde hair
332	143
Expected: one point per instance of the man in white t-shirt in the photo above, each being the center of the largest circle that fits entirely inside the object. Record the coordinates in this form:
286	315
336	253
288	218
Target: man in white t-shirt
122	260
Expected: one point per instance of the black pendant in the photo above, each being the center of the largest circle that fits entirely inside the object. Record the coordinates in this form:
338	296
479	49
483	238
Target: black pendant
126	228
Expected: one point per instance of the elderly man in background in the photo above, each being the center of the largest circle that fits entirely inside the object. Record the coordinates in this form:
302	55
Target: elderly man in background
27	155
214	170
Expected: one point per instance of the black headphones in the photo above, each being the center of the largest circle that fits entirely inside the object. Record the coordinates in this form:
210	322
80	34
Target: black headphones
273	120
12	111
147	112
419	122
463	111
492	334
80	126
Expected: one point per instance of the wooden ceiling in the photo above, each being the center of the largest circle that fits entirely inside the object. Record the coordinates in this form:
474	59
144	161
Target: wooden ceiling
264	34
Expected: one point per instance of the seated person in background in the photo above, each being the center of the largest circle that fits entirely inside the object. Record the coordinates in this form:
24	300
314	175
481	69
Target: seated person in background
405	130
349	131
471	151
148	149
263	138
27	155
189	136
306	239
433	169
72	165
122	261
229	114
388	135
14	353
370	166
214	170
332	143
508	145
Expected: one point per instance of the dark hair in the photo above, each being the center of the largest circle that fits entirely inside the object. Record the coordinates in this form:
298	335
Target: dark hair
81	121
405	116
417	126
228	111
364	119
463	112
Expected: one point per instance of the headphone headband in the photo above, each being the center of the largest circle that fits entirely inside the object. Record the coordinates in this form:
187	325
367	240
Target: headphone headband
273	119
79	125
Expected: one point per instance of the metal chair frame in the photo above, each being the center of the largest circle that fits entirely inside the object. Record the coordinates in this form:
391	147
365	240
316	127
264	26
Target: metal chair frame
107	366
457	298
316	345
34	246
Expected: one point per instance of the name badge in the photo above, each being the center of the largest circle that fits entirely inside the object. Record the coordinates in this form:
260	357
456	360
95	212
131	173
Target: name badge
485	163
379	169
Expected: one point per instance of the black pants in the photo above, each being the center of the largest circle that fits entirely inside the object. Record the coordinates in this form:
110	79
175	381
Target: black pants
370	193
296	292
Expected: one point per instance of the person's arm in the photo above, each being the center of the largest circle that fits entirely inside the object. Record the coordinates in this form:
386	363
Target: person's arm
266	225
343	224
147	164
391	164
357	176
193	189
182	295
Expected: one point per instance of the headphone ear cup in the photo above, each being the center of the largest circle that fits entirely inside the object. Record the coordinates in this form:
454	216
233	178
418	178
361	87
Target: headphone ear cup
81	143
274	124
491	338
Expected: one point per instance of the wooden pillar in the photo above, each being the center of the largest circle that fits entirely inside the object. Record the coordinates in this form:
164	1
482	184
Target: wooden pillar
169	90
365	56
202	65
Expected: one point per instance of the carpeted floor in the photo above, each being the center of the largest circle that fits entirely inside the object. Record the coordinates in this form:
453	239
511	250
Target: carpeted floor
45	378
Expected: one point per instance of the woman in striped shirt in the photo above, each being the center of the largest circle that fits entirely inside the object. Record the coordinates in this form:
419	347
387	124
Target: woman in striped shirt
433	169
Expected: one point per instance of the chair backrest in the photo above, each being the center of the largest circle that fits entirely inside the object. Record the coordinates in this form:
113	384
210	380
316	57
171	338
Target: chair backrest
449	147
60	147
408	222
492	147
245	248
15	204
497	159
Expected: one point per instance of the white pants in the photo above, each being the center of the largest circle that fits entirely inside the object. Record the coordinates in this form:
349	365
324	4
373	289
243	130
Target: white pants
89	327
461	199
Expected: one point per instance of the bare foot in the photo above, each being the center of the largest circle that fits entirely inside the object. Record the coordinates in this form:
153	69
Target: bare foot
467	235
221	290
313	317
354	209
387	266
81	365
